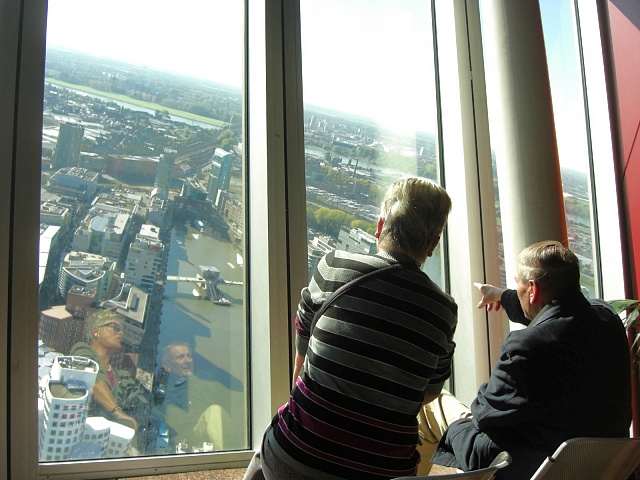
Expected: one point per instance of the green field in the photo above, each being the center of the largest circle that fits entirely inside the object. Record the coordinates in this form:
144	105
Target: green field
140	103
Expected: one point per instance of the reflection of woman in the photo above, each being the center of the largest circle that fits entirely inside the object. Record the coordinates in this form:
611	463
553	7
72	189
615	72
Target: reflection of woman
104	332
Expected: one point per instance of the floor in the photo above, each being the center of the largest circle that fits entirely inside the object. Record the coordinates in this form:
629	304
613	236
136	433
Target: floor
236	474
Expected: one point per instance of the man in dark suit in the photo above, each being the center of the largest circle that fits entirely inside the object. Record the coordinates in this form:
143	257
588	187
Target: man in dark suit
564	376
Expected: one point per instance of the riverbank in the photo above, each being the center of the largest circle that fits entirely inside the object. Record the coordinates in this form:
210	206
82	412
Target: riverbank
140	103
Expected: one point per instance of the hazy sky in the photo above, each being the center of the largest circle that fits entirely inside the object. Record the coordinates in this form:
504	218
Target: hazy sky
372	73
371	57
201	38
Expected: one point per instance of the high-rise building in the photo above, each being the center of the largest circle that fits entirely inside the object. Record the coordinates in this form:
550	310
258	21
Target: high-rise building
68	146
220	175
144	259
164	173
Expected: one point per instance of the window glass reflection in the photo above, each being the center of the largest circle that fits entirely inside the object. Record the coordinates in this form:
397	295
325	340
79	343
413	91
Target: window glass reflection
370	115
142	306
558	22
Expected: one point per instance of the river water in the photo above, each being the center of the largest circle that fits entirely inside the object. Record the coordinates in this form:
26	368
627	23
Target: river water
138	108
216	333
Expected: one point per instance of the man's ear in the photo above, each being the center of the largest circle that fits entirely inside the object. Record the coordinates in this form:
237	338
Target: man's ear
379	227
166	367
433	245
533	290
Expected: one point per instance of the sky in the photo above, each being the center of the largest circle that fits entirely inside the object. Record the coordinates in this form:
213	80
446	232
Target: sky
370	57
371	73
200	38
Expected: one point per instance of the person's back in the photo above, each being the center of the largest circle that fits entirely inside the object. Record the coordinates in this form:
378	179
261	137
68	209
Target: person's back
372	356
377	353
566	375
573	377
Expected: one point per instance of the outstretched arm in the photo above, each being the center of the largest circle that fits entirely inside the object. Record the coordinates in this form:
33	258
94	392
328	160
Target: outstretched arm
490	296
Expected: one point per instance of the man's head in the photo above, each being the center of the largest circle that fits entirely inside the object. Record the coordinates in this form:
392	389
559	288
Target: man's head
177	359
413	214
546	271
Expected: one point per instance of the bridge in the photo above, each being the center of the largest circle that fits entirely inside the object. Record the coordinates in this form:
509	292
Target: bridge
207	281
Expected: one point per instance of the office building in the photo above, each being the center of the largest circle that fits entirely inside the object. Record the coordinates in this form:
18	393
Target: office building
164	175
220	174
144	260
76	182
87	270
68	146
131	302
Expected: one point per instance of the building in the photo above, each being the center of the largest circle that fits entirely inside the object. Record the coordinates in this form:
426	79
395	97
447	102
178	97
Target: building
356	240
316	249
48	242
164	174
111	439
80	301
75	182
130	168
132	304
65	431
65	397
59	329
68	146
103	233
87	270
145	258
117	202
192	190
53	214
220	174
156	211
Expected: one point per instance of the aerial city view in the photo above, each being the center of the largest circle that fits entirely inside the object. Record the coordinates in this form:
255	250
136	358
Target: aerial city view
142	249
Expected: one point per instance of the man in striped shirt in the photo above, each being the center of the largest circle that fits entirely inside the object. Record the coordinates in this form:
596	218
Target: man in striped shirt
375	356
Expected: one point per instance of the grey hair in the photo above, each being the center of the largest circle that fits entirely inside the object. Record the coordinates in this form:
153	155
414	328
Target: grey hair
414	211
166	351
98	319
553	266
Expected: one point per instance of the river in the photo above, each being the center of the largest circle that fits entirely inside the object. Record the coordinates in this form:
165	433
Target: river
216	333
138	108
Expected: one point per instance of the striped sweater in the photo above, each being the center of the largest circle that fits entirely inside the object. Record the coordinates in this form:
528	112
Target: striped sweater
373	355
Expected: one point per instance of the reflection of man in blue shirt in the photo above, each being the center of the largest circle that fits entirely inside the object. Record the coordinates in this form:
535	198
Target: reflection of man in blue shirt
194	409
177	362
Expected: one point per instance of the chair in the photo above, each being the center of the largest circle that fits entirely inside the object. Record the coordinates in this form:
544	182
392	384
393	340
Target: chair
502	460
591	458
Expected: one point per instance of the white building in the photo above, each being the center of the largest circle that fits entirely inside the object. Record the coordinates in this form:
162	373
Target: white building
131	303
86	270
110	438
65	397
145	258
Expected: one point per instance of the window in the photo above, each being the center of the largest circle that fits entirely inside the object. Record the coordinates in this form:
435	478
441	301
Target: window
123	144
142	149
370	116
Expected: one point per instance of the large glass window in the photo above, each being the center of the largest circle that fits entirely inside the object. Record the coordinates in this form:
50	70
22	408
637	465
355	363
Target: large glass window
565	76
142	328
370	115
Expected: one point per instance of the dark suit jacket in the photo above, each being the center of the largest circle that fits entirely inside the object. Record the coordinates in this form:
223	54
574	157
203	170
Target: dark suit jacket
566	375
